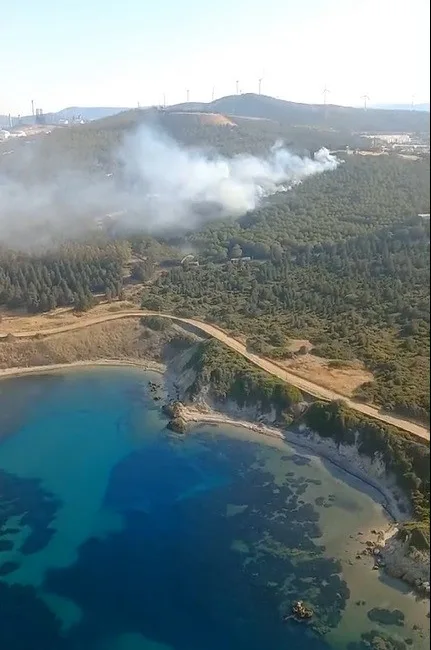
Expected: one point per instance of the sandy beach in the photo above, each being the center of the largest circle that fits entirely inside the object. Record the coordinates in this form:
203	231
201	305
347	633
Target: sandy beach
7	373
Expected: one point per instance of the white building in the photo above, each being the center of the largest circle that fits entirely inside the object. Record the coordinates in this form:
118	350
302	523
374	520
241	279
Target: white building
392	138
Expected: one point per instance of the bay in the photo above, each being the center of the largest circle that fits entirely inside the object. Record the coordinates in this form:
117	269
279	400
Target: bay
116	534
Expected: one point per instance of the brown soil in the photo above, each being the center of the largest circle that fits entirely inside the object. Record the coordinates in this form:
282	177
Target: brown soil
210	118
117	340
13	322
345	379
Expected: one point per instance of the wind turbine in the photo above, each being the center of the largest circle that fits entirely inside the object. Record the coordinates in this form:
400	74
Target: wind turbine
260	85
237	86
187	96
366	99
213	94
412	107
325	93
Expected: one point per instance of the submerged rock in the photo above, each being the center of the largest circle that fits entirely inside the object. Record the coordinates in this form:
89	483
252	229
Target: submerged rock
179	425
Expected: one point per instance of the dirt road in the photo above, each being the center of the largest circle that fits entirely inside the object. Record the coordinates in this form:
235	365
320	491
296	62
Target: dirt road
269	366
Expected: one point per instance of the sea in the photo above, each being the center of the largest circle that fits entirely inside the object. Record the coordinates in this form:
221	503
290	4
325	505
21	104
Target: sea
117	534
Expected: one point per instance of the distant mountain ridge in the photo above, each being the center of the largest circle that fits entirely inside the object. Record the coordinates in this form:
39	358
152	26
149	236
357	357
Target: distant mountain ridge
395	118
313	115
87	113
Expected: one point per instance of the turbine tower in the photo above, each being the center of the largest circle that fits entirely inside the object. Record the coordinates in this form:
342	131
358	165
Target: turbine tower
213	94
188	95
325	93
412	106
260	85
366	99
237	86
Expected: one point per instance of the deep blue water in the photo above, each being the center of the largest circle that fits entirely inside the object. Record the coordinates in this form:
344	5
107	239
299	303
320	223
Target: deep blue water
117	535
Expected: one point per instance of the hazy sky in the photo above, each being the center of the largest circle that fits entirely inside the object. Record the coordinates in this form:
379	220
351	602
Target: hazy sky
123	52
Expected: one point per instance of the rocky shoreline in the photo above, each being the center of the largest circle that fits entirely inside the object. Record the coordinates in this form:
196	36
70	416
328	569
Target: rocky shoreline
391	554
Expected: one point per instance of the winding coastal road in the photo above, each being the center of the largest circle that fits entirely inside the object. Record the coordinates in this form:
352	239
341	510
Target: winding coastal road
265	364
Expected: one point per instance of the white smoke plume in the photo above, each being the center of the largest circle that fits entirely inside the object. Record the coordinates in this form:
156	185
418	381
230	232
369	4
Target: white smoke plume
162	185
178	178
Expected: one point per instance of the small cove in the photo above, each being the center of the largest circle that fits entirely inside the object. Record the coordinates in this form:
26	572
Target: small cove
116	534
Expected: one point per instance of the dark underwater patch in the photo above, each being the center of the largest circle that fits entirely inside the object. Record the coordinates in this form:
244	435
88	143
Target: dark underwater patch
35	508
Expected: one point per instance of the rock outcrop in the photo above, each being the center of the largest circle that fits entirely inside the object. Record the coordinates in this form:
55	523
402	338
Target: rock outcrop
404	561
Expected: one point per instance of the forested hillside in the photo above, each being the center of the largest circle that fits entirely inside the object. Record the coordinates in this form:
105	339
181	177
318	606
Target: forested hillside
341	260
94	146
67	277
361	196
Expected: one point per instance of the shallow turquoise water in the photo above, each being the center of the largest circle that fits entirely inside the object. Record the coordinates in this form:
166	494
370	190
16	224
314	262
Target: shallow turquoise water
117	535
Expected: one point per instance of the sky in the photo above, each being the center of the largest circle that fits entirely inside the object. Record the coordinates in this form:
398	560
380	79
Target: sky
125	52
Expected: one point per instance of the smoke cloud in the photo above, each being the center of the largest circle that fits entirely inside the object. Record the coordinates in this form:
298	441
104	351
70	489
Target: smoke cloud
161	185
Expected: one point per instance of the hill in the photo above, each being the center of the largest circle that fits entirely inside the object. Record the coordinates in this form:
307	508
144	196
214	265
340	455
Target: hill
90	146
314	115
379	118
86	113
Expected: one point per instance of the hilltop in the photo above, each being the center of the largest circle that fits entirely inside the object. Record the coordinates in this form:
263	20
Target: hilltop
90	146
86	113
313	115
379	119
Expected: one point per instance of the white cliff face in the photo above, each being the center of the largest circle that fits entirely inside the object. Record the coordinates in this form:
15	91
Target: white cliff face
371	470
407	563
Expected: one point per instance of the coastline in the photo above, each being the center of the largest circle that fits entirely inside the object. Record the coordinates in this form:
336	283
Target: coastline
196	416
347	460
8	373
193	415
383	547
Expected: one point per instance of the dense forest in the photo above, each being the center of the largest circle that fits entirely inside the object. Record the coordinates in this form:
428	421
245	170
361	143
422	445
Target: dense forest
362	195
70	276
367	297
343	261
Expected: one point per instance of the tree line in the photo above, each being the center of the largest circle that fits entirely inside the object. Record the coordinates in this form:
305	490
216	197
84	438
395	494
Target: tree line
68	276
